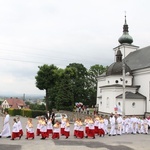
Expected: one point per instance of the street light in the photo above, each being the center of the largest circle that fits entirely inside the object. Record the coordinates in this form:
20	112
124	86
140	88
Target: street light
123	73
123	68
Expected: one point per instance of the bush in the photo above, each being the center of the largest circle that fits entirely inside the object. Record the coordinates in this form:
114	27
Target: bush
11	111
26	113
36	113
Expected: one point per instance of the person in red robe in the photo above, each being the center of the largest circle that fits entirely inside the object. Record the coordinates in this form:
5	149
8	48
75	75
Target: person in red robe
43	129
29	129
80	132
19	126
91	131
56	131
38	133
15	130
67	129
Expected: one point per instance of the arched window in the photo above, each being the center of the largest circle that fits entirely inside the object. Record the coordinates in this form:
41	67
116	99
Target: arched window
100	102
107	102
119	103
133	104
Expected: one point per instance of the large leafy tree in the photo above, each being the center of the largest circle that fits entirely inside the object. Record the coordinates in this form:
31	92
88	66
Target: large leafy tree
64	97
93	73
79	82
46	79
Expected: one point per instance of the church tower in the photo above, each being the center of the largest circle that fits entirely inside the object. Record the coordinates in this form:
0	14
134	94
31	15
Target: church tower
125	42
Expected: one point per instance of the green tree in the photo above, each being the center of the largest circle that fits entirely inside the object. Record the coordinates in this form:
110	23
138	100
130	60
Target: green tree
36	106
65	97
93	73
79	82
46	79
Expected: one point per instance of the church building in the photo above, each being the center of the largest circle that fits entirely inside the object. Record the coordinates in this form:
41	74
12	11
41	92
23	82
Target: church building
125	87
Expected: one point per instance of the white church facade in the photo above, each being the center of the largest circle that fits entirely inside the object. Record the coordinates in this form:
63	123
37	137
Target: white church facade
125	86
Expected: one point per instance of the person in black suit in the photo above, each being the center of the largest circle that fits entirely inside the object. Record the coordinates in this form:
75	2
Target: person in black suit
53	118
47	115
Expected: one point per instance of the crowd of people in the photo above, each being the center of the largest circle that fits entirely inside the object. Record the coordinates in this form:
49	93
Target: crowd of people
110	125
88	128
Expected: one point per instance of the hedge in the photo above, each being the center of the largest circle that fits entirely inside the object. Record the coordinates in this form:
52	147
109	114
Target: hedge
25	112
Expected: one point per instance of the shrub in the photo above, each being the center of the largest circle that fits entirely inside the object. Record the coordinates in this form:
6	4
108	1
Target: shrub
36	113
26	113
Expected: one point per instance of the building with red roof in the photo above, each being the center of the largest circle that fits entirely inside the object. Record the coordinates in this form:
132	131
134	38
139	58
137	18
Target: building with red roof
15	103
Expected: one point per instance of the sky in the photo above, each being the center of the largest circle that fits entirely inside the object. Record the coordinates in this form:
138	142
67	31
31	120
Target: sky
60	32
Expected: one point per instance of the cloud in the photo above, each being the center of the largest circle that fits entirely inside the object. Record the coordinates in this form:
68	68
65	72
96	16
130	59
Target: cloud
33	33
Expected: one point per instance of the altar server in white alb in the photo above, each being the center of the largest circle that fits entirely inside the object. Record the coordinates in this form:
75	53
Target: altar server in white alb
67	129
20	126
112	121
15	130
119	124
6	127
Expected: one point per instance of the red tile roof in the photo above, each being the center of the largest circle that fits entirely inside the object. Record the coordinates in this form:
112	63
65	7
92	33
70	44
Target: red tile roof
15	102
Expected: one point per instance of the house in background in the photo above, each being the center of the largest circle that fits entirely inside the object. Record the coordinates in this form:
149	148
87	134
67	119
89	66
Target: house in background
15	103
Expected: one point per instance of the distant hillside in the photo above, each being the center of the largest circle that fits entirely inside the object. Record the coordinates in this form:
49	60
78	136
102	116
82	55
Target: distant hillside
26	97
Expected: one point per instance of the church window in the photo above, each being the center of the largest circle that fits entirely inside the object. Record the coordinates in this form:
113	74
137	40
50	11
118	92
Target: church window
108	82
101	103
119	103
116	81
126	81
133	104
107	102
100	90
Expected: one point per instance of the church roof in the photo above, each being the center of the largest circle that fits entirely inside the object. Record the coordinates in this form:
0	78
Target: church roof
116	68
139	59
125	38
130	95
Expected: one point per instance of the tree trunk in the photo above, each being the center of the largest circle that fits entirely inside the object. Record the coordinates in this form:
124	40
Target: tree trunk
46	99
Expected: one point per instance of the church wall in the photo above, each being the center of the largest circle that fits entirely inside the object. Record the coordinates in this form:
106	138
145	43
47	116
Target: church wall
135	107
125	50
118	79
109	99
142	78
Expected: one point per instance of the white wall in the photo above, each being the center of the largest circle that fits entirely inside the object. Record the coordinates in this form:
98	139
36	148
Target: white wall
125	50
5	104
142	78
139	108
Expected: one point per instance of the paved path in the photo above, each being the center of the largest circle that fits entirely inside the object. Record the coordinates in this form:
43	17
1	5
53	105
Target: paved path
124	142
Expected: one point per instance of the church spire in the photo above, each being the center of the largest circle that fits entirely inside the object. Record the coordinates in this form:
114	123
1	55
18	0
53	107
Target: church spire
125	38
125	26
119	56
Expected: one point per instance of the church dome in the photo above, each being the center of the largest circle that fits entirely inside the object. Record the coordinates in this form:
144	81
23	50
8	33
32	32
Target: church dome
117	69
125	38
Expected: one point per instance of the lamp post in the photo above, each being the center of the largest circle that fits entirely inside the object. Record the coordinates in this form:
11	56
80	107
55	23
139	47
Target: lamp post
123	68
123	73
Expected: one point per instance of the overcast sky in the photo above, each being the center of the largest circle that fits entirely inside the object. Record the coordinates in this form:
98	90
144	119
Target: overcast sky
59	32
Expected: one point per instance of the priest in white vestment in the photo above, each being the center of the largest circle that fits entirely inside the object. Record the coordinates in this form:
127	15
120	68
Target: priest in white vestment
6	127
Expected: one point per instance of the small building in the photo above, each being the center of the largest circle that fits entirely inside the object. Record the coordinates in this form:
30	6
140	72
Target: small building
15	103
